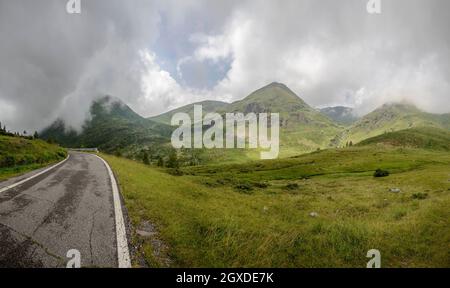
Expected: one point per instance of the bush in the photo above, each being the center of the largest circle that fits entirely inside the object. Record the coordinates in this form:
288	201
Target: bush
381	173
420	196
146	159
261	184
7	161
175	172
160	162
62	154
292	186
244	187
173	160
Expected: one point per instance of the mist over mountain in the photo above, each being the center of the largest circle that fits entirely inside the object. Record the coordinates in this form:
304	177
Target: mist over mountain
112	127
340	114
158	55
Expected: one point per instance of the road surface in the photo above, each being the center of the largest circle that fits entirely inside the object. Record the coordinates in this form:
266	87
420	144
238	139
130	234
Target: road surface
68	207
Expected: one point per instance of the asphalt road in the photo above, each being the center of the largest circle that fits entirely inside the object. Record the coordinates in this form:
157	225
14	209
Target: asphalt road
68	207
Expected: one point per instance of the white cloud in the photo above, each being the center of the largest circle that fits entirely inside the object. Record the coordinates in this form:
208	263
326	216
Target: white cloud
329	52
338	55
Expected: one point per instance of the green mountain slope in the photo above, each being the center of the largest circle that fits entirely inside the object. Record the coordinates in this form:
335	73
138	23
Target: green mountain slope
18	155
208	107
340	114
303	128
390	118
422	137
112	127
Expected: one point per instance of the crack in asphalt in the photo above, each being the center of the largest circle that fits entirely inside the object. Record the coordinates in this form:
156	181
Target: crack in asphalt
66	205
54	210
25	244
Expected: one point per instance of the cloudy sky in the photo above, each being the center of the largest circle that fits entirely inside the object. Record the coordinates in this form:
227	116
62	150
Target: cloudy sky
156	55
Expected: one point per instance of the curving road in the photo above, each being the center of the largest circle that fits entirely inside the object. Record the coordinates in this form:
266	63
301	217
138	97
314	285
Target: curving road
68	207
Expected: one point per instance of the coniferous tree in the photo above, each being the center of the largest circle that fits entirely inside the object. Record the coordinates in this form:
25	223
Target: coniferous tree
160	161
173	160
145	158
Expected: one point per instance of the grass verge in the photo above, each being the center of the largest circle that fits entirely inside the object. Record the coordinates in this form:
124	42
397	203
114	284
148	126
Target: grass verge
206	218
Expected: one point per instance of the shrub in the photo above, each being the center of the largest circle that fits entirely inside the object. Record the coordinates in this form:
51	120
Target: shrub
7	161
160	162
244	187
292	186
175	172
62	154
145	158
420	196
173	160
381	173
261	184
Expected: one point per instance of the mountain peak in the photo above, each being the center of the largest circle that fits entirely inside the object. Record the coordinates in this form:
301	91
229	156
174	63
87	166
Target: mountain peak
275	97
277	84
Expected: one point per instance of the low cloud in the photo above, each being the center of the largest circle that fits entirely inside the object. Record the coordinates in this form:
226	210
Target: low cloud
157	55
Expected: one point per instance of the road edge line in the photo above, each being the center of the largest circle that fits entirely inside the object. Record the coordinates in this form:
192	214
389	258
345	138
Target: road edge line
123	253
4	189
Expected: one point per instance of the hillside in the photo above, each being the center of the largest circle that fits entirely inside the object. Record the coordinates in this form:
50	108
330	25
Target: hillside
303	128
340	114
423	137
209	106
19	155
112	127
389	118
220	207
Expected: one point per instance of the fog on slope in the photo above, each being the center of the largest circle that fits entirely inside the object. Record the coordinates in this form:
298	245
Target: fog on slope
53	64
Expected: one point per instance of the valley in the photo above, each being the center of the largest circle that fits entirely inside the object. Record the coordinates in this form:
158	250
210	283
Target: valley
320	204
324	209
319	209
115	128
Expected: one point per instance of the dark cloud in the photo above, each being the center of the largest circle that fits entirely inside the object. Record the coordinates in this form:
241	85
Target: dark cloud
53	64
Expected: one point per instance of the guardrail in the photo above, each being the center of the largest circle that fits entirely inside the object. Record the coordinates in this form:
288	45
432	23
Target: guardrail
85	149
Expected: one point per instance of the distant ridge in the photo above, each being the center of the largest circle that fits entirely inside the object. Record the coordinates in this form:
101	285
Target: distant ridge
423	137
116	127
340	114
208	107
113	126
392	117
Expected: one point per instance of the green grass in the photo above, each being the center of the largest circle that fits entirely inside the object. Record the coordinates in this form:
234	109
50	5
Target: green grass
257	214
19	155
423	137
390	118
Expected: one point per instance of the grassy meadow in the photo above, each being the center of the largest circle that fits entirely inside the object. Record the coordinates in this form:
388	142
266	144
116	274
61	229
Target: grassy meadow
19	155
324	209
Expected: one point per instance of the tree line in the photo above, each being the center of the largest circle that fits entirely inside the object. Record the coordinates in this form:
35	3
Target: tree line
24	134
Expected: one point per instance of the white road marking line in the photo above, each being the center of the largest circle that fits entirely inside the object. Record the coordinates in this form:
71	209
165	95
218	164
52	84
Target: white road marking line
32	177
123	254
